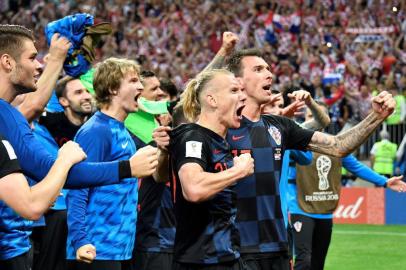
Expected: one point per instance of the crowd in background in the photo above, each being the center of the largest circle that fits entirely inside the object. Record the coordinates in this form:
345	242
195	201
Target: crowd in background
322	46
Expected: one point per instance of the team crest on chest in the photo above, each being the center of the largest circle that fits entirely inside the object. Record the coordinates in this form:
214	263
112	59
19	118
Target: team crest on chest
275	134
298	226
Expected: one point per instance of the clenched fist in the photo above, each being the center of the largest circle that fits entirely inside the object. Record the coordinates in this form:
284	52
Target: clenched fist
161	136
71	152
144	161
86	253
383	104
244	163
229	41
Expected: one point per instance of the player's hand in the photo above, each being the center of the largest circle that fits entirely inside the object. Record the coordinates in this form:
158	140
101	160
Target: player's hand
144	162
58	48
161	136
71	152
275	98
301	95
244	163
86	253
383	104
165	119
229	41
396	184
293	109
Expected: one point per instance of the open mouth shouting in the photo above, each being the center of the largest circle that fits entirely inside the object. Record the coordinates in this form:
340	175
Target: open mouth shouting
239	111
267	87
137	96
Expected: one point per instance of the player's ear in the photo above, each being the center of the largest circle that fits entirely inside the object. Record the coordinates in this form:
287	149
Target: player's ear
64	102
211	100
7	62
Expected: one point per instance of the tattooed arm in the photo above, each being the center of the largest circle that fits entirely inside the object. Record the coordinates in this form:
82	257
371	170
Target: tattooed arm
341	145
320	116
229	41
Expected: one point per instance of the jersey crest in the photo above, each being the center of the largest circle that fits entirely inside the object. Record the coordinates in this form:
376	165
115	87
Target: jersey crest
275	134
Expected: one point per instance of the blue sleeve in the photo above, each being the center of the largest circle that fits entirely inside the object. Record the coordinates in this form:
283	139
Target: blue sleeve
302	157
362	171
36	161
76	202
97	145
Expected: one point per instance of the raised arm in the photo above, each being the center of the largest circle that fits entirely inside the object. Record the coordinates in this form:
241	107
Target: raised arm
341	145
35	102
229	41
320	117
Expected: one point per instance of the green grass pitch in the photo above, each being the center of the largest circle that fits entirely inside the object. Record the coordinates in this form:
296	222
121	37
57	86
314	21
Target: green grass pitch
358	247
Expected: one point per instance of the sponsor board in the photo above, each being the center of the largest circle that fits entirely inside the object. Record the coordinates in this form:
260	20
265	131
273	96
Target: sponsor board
361	206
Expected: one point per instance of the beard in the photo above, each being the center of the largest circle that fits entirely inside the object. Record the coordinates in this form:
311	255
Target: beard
78	110
17	80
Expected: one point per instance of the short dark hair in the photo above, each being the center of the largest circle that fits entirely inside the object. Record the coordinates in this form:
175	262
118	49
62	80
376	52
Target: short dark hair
60	88
147	74
233	63
12	38
178	117
168	87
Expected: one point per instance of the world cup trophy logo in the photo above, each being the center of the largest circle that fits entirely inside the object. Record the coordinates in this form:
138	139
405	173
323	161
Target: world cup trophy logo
323	165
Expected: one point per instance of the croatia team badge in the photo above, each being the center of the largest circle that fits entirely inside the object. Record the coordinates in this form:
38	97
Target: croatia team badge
298	226
275	134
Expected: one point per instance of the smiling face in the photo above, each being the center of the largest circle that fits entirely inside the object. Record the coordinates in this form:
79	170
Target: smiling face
77	98
129	92
26	69
229	99
256	79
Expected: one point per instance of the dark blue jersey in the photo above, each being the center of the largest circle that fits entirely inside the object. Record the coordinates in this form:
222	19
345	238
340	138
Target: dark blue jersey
206	232
156	218
259	214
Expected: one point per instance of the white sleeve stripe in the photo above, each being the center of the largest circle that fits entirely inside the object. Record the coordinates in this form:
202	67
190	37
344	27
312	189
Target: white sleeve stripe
10	150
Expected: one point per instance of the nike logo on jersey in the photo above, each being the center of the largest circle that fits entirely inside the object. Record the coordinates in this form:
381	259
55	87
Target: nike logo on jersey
124	145
236	138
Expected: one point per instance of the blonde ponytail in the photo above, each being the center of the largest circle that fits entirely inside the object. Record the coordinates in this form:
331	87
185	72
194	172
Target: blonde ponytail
189	99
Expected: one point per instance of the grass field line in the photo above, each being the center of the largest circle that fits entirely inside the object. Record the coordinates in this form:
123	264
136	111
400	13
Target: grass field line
369	232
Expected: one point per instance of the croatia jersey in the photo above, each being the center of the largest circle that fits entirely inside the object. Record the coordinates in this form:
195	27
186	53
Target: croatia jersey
104	216
156	224
14	230
206	231
259	214
36	161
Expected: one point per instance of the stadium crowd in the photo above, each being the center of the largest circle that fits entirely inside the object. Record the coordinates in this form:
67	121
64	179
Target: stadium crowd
335	55
308	43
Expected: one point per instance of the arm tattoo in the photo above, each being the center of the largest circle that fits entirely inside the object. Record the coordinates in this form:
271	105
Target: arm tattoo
312	125
320	117
345	143
216	63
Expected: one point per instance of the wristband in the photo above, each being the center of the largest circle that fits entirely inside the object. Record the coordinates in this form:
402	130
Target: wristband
124	169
